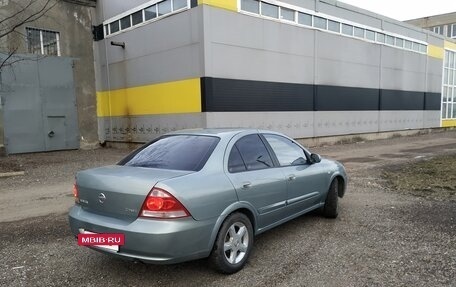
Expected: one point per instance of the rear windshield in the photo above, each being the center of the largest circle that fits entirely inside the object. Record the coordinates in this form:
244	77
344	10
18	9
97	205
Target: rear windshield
179	152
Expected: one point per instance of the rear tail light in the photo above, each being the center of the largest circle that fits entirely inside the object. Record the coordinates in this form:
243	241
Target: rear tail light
75	193
161	204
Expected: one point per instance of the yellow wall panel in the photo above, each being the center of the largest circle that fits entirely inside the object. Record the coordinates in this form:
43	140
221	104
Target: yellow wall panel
164	98
436	52
448	123
225	4
450	45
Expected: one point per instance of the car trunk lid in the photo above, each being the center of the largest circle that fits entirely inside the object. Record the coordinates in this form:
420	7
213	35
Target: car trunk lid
119	191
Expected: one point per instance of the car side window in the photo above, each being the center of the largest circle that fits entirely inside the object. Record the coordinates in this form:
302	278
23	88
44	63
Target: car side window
235	162
287	152
254	153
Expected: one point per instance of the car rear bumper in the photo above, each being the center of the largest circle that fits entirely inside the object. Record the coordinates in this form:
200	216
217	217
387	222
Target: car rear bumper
149	240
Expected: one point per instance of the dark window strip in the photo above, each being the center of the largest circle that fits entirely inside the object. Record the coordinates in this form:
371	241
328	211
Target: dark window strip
229	95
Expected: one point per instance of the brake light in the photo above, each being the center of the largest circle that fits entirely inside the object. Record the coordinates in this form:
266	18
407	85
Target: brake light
75	193
161	204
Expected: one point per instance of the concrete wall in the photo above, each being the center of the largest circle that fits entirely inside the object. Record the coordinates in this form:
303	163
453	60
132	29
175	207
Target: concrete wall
74	24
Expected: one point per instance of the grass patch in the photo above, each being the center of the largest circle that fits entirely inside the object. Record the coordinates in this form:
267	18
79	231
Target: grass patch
433	178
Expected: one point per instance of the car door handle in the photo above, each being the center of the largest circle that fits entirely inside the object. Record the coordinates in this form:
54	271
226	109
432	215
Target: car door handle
246	185
291	177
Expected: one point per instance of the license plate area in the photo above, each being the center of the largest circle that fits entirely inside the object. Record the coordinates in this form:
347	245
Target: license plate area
105	241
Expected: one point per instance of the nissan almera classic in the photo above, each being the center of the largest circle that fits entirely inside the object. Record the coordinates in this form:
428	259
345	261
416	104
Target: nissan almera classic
204	193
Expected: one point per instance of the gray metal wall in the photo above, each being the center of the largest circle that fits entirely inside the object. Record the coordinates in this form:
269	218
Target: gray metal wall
211	42
170	49
251	48
39	104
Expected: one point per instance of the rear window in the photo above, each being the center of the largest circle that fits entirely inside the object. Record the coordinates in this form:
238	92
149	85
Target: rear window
179	152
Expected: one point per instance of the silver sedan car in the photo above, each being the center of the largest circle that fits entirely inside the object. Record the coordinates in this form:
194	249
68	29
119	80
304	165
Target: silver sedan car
204	193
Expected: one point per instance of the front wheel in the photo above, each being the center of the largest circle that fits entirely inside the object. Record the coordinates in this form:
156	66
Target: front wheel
331	207
233	244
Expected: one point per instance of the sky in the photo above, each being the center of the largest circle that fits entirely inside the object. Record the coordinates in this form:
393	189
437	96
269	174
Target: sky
405	9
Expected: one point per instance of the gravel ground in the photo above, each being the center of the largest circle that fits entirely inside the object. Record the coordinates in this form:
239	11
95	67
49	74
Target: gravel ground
381	237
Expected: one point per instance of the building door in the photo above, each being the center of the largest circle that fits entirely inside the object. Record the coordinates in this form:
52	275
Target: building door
39	106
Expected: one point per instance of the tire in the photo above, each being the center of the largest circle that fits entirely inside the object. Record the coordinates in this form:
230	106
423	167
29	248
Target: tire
331	207
233	244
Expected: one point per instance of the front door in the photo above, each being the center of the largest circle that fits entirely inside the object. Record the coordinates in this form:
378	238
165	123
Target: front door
305	180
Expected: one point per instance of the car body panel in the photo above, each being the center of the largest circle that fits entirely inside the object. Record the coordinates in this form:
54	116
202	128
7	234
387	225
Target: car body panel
157	241
265	189
123	188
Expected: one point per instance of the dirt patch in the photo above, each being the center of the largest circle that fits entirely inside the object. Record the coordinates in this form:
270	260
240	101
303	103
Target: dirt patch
9	165
359	159
430	149
431	178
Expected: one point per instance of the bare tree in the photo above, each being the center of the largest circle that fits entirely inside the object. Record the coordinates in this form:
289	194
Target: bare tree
26	11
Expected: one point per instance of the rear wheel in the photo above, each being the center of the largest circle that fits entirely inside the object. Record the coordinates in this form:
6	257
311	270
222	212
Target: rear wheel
233	244
331	207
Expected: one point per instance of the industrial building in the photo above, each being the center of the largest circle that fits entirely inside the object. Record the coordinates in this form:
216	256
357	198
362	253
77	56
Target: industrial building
308	68
445	25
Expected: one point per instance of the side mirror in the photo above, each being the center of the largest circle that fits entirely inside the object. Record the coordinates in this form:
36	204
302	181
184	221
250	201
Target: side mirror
299	161
315	158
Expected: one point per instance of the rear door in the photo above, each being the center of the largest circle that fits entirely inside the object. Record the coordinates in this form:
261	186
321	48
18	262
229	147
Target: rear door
251	171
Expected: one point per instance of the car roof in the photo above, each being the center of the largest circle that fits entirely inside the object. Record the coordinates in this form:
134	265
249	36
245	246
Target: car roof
221	132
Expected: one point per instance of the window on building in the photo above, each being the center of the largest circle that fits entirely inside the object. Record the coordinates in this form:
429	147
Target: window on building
137	17
333	26
423	48
447	31
347	29
43	42
399	42
449	86
287	14
381	38
358	32
320	22
390	40
125	22
164	8
304	19
150	12
408	44
269	10
250	6
453	31
370	35
179	4
114	27
438	29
